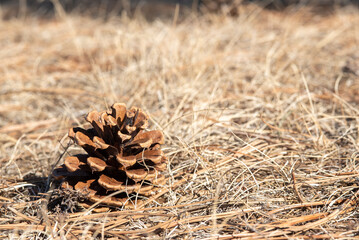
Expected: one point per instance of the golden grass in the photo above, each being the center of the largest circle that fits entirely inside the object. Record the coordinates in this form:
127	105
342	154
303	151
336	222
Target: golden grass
260	114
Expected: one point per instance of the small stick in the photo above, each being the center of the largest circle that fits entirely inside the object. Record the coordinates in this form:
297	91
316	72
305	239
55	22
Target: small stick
301	199
28	218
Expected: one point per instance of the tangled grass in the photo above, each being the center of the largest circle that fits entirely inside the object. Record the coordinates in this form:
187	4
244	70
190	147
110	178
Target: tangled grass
260	114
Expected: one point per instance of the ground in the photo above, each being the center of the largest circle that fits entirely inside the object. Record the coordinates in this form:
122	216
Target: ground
260	112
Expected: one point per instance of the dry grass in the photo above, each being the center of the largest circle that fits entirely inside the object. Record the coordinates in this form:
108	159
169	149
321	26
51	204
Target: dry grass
260	114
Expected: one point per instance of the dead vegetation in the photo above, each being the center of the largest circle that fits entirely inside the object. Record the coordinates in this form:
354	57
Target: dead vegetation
259	112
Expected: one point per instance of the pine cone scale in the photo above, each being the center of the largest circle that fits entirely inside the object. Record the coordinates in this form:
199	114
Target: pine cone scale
155	136
155	156
96	164
84	140
73	163
119	112
110	183
138	175
127	161
124	137
93	118
119	202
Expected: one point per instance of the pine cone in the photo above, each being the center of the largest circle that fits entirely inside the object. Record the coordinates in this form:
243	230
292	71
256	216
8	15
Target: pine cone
121	156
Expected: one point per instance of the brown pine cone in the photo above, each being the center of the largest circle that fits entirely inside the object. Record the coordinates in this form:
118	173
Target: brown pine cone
121	156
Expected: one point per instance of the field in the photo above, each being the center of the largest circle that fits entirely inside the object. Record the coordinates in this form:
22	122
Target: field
260	113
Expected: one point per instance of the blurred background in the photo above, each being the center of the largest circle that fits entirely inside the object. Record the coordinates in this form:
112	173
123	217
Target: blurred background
157	8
